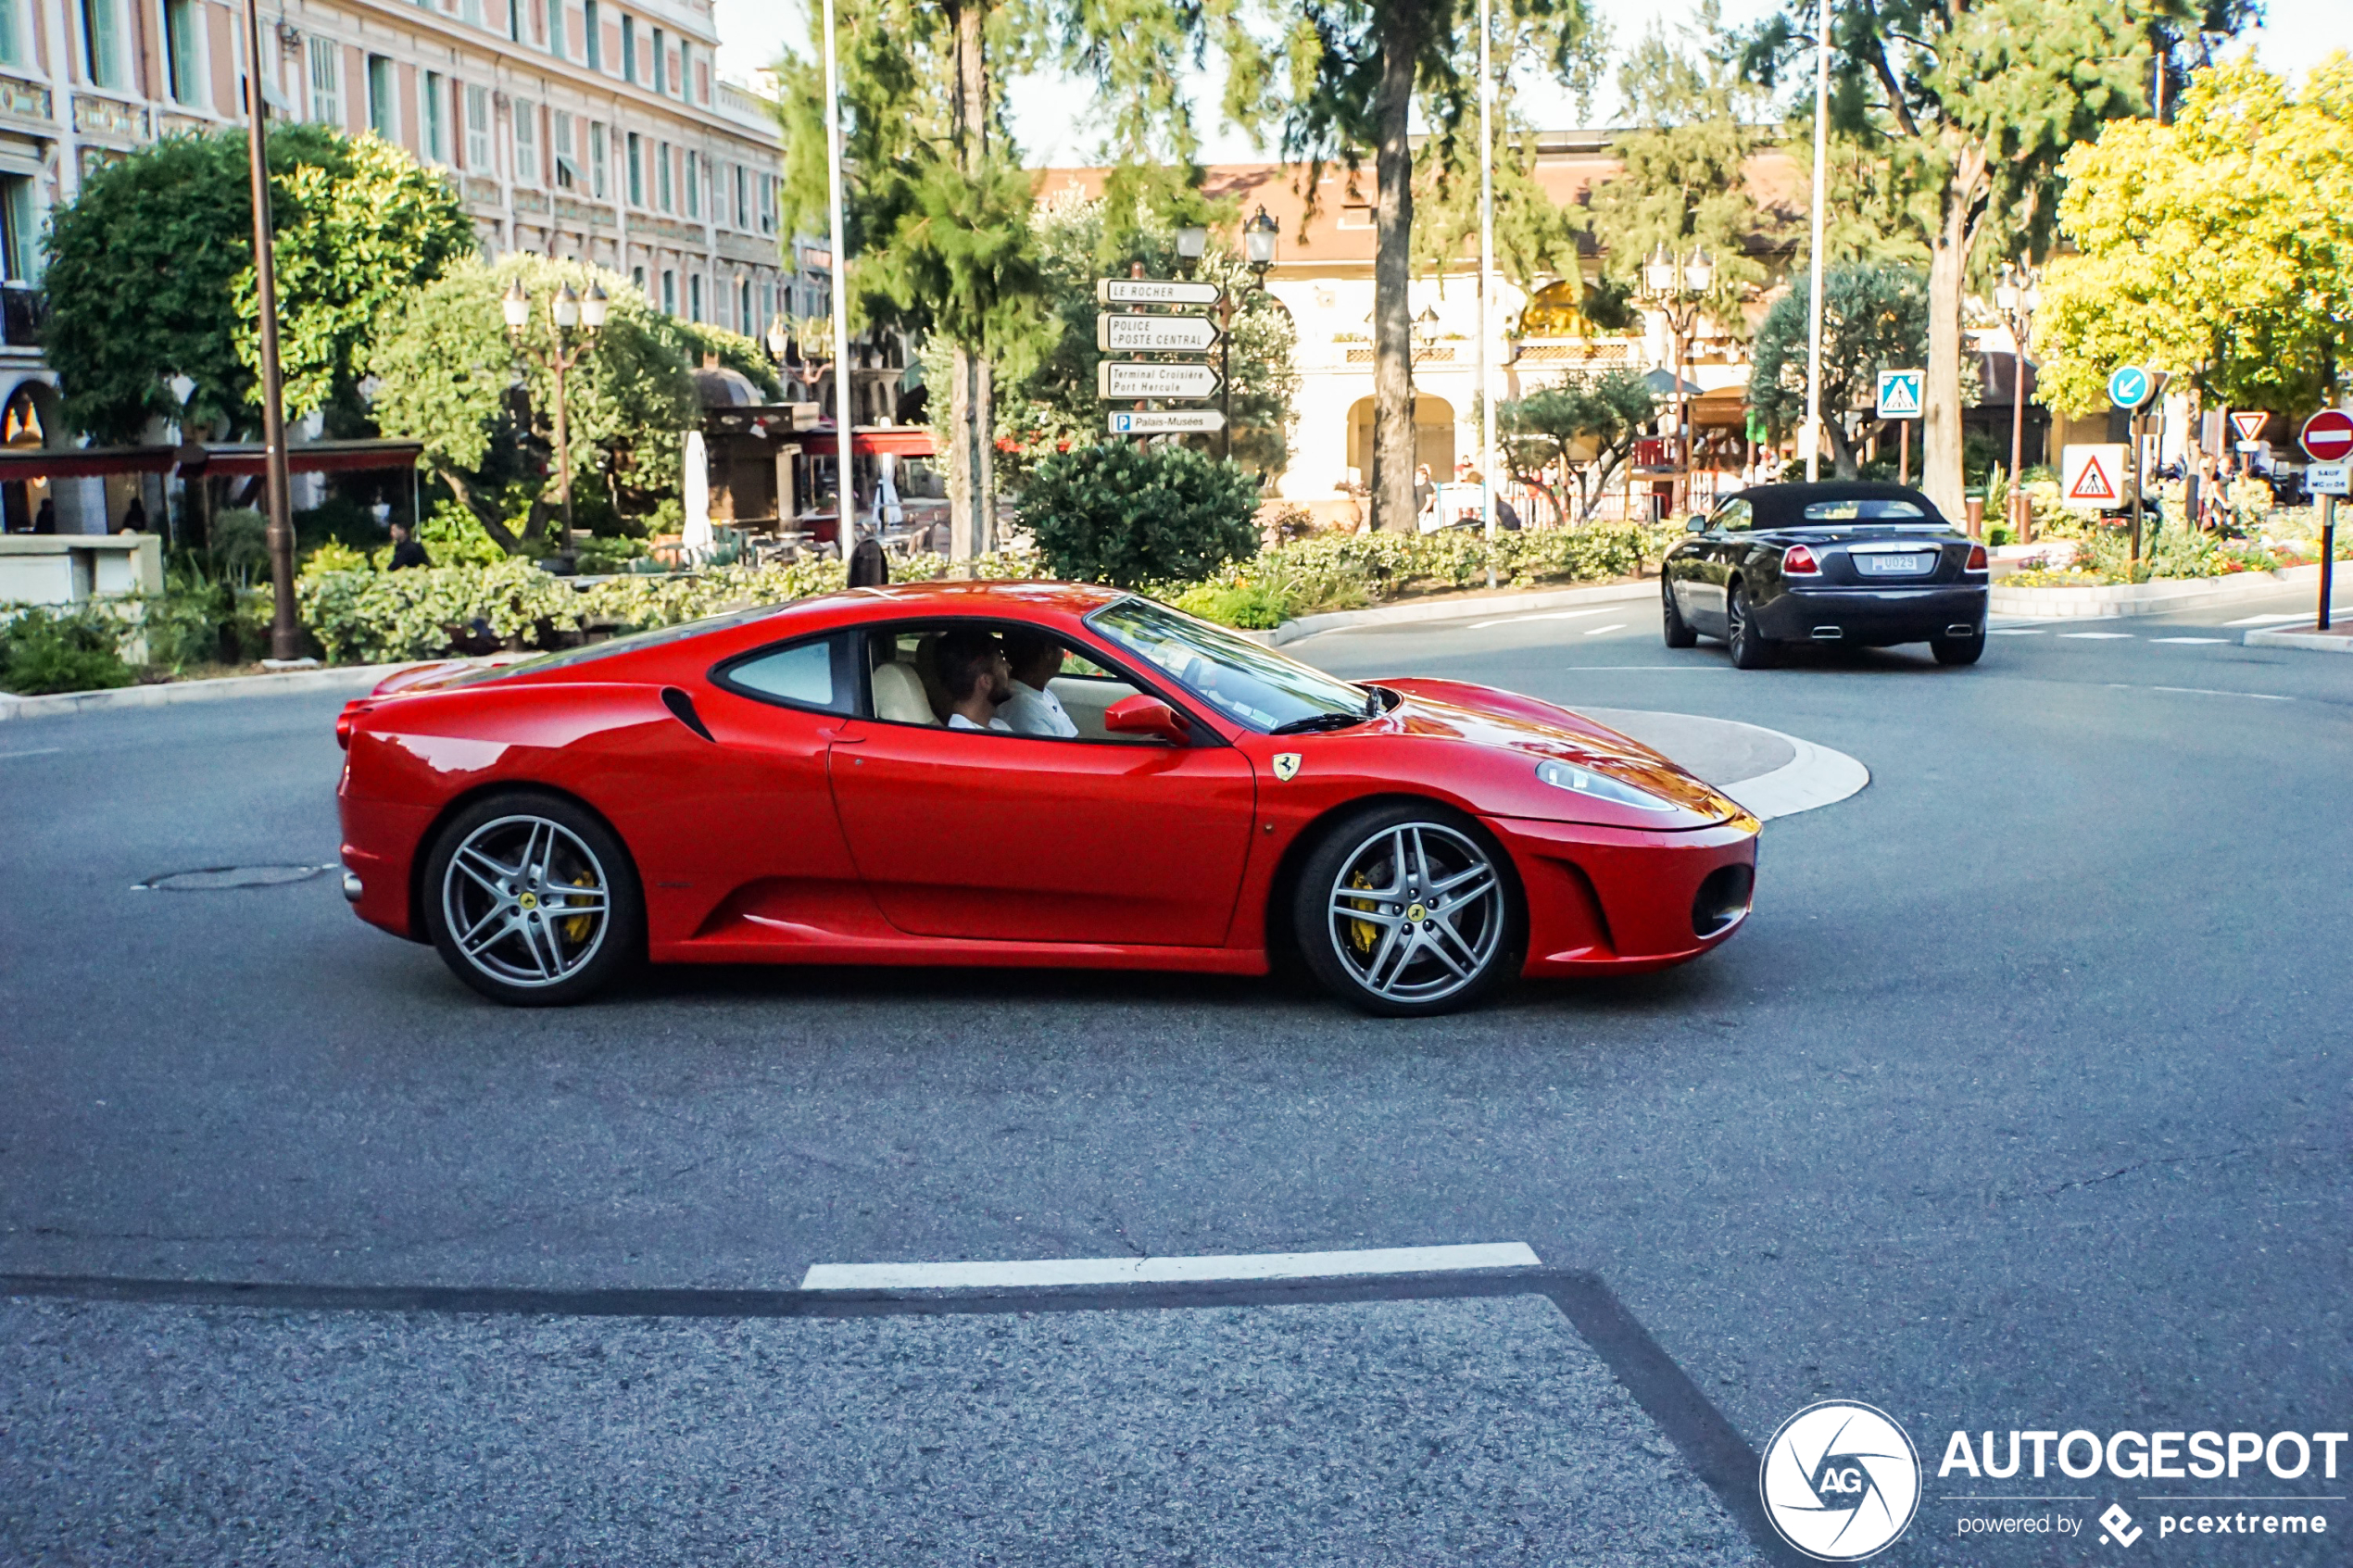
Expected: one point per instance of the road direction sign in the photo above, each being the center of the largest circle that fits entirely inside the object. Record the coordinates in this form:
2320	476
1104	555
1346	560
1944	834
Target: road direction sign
1163	422
1154	291
1122	379
2092	475
2250	423
2329	479
2327	436
1899	393
1116	332
2130	386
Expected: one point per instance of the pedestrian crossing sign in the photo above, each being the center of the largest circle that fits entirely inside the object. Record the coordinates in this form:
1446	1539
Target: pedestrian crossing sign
2091	476
1899	393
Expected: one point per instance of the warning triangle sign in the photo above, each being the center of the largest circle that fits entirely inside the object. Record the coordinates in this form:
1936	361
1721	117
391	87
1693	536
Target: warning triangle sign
2093	484
2250	425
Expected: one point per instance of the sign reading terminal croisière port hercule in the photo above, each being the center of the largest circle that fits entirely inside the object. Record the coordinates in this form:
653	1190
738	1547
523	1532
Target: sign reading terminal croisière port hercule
1124	379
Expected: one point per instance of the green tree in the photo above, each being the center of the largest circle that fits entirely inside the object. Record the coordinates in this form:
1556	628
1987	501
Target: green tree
1874	319
1351	72
1569	440
1684	180
150	273
1971	104
1131	515
1056	406
2219	248
450	377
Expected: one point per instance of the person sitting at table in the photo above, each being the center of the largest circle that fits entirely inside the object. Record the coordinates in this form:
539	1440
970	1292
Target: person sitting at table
1033	709
972	668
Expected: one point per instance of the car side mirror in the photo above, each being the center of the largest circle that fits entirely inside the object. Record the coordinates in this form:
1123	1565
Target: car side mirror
1146	716
1695	524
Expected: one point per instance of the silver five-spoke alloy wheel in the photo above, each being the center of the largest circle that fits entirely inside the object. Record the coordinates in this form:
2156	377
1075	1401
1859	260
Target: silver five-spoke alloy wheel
526	902
1418	913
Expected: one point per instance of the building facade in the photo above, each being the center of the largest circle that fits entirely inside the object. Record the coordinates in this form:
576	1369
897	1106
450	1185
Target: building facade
596	130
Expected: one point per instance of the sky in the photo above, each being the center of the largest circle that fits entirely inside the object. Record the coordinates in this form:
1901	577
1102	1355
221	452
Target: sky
1050	115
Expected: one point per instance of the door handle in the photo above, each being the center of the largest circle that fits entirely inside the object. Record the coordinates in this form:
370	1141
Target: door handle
839	737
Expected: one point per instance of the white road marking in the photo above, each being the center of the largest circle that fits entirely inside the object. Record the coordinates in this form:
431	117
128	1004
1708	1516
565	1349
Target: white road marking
2267	620
2199	691
1597	631
1170	1271
40	751
2018	631
2189	639
2098	636
1537	615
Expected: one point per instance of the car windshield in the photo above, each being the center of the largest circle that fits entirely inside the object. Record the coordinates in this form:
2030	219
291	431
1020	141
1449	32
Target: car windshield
1864	511
1254	685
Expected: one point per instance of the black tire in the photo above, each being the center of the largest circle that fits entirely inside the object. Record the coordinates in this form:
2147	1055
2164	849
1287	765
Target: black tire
498	896
1677	631
1409	945
1957	650
1751	649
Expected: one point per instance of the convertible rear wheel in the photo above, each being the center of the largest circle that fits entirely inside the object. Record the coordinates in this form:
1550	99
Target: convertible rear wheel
1678	631
1750	649
1957	650
533	901
1408	910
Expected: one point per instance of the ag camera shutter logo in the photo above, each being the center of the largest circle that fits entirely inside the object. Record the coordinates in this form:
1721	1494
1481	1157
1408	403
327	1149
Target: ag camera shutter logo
1840	1481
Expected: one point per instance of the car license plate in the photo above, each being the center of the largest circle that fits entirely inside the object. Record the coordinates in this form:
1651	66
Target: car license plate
1894	566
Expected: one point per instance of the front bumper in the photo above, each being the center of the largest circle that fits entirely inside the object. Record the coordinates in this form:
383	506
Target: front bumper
1868	616
1620	899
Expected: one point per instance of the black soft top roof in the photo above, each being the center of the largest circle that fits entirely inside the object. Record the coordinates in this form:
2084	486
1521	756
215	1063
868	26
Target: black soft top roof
1783	506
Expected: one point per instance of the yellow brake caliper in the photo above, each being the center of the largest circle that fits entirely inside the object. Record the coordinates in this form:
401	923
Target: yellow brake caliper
1362	934
576	928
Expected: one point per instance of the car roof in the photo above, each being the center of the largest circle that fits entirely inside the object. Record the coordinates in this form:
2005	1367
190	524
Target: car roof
1778	506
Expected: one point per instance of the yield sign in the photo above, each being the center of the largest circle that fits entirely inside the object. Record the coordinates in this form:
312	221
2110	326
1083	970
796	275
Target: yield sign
2250	423
2092	475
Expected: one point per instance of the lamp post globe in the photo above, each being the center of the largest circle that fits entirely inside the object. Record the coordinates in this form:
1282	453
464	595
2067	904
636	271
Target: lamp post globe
1192	240
595	308
779	338
1700	275
1259	238
564	309
515	305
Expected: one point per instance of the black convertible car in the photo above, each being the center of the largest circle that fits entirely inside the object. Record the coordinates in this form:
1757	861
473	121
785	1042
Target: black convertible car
1854	565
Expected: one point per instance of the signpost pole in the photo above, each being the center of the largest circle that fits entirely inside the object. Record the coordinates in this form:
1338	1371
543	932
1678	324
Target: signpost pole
2328	557
2136	453
1903	451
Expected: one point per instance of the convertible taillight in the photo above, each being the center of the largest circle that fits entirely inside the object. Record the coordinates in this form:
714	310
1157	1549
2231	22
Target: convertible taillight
1977	558
1800	562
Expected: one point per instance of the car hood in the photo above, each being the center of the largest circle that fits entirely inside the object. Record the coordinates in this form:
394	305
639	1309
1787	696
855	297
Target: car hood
1463	713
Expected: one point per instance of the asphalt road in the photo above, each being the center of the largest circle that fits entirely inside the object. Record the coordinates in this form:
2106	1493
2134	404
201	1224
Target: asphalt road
2020	1103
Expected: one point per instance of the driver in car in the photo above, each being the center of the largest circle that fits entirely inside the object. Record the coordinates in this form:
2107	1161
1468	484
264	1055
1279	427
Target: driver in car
1034	709
972	667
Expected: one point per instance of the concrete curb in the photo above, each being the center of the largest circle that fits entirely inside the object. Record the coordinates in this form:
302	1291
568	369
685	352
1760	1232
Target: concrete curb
2145	598
2309	641
1463	608
293	683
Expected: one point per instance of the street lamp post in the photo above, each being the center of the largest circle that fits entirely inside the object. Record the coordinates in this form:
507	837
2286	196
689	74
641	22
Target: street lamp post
1675	285
2016	296
1259	236
566	311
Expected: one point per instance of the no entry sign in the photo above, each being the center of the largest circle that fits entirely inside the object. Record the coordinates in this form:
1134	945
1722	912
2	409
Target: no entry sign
2327	436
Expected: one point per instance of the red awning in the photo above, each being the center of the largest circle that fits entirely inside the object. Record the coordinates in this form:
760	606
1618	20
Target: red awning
244	459
903	440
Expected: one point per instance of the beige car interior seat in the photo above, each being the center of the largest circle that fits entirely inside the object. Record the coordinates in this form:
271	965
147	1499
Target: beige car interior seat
898	697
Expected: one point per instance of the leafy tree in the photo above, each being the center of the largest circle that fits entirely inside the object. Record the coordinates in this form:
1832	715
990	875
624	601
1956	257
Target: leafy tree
1351	72
1130	515
1971	104
2219	248
450	377
1570	440
1684	183
150	273
1056	407
1874	319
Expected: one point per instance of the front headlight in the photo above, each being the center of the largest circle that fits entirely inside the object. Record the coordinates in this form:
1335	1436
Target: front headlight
1584	781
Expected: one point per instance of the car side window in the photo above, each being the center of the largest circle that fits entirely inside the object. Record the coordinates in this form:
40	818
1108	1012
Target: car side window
1051	690
802	674
1734	517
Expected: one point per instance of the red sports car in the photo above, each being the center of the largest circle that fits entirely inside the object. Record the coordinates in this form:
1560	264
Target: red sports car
1030	773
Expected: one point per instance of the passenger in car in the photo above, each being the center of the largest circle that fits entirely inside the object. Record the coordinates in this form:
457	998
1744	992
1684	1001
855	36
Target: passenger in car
972	666
1033	709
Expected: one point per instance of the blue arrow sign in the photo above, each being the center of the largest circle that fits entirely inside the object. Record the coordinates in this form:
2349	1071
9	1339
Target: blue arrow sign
2129	388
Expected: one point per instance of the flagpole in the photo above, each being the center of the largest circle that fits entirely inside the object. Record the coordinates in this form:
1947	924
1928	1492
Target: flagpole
1486	283
843	488
1813	438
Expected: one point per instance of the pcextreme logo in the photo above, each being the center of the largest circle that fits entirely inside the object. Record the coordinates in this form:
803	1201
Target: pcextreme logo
1840	1481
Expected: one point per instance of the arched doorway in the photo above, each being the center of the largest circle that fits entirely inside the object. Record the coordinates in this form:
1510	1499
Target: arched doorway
26	420
1433	436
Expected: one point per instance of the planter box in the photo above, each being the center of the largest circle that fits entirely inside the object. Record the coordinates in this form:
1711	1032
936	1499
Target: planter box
2146	598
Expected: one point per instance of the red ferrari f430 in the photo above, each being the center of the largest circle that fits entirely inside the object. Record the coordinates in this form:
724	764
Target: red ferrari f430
1034	774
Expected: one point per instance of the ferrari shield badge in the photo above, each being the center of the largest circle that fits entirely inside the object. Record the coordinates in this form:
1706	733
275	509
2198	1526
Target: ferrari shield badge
1287	765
